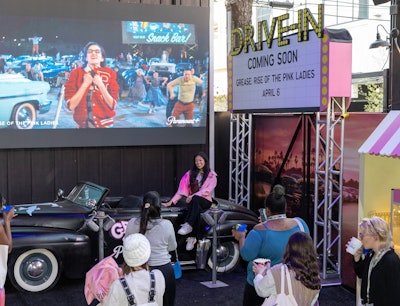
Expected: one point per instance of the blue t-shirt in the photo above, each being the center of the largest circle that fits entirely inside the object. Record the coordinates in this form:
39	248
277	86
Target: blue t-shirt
266	244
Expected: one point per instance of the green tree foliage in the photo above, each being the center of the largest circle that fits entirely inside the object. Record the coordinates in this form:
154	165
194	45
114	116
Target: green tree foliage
374	97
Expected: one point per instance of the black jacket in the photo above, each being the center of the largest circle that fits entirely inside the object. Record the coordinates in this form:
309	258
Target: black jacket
384	281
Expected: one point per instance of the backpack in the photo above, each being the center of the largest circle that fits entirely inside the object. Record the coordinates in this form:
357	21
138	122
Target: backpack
99	279
282	299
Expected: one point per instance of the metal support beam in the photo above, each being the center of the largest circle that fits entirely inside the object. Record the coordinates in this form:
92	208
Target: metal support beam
239	159
328	189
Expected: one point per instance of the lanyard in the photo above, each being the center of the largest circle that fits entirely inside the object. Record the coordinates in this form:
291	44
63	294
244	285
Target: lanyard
276	217
374	261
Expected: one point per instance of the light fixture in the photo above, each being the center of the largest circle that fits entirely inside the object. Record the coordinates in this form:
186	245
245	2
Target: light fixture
108	223
379	42
276	4
281	4
394	33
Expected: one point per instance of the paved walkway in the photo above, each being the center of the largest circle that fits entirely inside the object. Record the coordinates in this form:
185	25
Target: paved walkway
190	291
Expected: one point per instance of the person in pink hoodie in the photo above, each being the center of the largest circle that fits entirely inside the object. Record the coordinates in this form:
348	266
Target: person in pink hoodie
197	185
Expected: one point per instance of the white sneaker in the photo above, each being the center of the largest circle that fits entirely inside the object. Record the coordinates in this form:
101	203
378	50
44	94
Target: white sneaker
190	243
185	229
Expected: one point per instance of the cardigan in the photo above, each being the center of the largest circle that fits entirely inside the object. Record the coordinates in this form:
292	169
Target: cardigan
384	280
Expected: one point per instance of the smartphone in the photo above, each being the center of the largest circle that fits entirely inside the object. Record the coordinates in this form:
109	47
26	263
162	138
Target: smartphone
6	208
263	214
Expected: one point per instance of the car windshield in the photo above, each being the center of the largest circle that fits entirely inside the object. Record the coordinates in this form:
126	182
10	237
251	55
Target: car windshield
85	195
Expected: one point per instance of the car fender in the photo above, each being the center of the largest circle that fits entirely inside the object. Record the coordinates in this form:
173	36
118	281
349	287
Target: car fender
69	247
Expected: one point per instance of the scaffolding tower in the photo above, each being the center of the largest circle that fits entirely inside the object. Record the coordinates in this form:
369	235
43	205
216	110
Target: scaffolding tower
328	180
239	158
328	189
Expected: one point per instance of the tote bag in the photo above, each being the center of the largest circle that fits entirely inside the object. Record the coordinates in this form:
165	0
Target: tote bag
282	299
3	264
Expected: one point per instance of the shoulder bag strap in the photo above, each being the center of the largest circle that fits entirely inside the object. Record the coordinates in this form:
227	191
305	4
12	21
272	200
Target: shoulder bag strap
288	280
129	295
283	279
299	224
152	292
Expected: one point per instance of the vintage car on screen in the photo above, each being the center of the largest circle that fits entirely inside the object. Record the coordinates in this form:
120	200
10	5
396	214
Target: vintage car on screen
51	71
68	236
21	100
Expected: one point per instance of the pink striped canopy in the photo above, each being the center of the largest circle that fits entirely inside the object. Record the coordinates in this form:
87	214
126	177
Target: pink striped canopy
385	139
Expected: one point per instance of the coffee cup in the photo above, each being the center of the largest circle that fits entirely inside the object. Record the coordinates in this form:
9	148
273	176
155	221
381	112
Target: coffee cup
261	261
353	246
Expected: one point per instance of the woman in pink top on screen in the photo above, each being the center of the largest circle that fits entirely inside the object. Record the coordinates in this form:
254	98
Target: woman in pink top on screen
197	185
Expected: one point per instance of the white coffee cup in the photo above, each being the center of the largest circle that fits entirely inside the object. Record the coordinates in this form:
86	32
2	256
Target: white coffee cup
354	245
261	261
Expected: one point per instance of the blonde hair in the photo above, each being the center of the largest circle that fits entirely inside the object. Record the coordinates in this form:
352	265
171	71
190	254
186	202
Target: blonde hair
377	227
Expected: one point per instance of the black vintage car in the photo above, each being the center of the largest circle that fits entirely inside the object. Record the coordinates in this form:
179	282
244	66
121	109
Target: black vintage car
68	236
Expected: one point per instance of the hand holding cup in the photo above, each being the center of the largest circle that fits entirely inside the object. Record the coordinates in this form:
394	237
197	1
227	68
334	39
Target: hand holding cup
353	245
261	265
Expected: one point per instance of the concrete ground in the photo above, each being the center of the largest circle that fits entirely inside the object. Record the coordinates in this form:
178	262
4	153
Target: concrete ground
190	291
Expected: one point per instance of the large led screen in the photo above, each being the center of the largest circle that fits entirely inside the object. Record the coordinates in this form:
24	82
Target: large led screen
91	73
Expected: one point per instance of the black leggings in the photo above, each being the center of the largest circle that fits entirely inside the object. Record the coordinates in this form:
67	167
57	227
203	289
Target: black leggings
170	283
196	206
251	298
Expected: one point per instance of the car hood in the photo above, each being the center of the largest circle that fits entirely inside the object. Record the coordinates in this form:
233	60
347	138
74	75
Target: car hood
62	207
63	214
12	84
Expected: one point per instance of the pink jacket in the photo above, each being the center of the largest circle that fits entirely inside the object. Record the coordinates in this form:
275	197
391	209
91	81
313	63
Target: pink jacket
205	191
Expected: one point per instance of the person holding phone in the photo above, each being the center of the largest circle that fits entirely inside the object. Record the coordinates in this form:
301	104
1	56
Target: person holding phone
5	245
267	239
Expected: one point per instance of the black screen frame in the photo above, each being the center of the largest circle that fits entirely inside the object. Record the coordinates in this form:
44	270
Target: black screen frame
92	9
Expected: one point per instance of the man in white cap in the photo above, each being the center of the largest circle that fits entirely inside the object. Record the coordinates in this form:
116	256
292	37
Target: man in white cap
136	253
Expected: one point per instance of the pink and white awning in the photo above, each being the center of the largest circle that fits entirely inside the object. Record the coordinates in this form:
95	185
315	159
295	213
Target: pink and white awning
385	139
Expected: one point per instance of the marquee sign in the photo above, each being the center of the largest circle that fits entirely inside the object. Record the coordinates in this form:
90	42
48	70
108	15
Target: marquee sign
287	73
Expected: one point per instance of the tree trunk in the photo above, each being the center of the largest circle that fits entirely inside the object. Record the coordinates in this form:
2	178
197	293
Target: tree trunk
241	13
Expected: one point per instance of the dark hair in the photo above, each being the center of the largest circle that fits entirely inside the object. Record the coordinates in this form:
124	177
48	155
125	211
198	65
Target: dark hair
194	185
103	53
276	201
300	256
151	209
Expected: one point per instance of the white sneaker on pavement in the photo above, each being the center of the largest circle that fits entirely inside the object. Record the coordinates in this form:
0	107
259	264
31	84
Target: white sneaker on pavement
185	229
190	243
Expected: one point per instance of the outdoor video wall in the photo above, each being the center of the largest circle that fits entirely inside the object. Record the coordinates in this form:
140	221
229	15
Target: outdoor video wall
145	47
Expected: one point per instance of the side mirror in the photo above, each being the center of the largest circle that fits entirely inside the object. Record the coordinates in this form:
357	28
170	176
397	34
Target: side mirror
60	195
